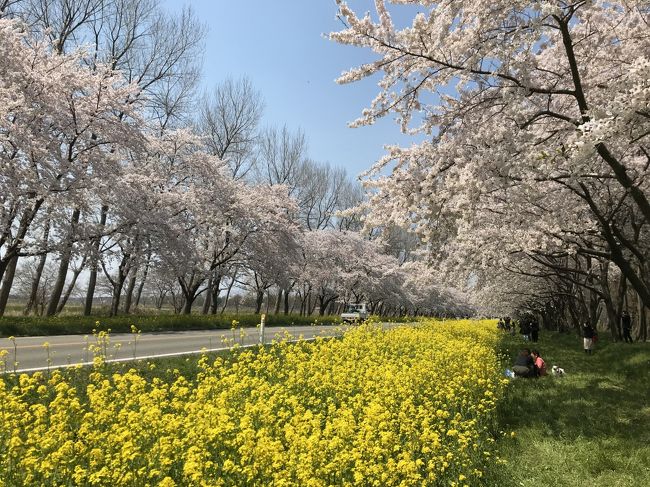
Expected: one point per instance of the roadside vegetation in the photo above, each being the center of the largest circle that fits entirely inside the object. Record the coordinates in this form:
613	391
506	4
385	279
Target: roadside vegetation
74	324
63	325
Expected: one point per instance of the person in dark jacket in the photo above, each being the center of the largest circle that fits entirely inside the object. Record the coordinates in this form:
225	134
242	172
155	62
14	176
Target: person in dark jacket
534	330
524	364
524	328
507	323
588	334
626	321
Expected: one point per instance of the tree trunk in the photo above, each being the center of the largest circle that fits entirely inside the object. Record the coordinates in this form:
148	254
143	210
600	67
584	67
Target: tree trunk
259	299
215	291
118	283
230	286
208	298
117	294
617	306
66	256
188	301
303	304
187	306
322	304
90	292
609	302
612	320
286	301
214	294
312	305
642	334
7	283
92	278
138	294
68	292
12	251
36	281
70	288
189	293
128	299
278	302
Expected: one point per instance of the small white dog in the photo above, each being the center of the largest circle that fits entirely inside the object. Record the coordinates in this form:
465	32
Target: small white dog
559	371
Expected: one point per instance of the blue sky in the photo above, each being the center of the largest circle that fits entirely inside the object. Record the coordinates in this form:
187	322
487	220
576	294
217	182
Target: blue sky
281	47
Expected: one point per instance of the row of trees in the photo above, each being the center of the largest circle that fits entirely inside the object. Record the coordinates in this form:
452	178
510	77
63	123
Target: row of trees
532	185
117	176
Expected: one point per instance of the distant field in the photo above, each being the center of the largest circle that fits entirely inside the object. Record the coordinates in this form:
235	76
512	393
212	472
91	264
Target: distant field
16	307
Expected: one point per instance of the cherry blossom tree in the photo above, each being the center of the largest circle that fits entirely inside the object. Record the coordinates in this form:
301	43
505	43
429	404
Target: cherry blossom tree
537	117
209	217
157	51
269	258
349	268
59	133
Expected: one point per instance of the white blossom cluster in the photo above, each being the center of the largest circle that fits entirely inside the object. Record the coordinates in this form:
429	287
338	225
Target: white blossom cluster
538	117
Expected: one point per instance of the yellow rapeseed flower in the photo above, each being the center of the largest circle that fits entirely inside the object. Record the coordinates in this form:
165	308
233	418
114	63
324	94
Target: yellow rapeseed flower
408	406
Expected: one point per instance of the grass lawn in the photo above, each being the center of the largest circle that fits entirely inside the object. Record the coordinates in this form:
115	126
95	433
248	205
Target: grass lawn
588	428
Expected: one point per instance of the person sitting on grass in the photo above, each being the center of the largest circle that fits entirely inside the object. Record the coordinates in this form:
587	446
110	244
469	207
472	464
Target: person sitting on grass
540	365
524	364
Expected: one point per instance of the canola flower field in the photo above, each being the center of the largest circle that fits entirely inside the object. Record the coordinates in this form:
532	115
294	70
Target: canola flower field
410	406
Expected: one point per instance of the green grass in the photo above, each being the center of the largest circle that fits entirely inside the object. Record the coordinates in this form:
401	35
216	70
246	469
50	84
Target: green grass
588	428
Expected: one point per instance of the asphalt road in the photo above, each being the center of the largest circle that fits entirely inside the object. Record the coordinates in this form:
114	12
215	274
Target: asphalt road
43	352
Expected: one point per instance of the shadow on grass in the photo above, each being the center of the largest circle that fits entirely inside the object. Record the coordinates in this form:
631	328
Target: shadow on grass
590	427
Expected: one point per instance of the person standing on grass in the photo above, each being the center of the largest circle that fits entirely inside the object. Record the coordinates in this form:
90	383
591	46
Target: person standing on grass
588	334
524	329
506	323
534	330
626	321
540	365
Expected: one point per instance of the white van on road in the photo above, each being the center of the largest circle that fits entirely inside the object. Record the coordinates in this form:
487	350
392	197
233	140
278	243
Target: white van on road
355	312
